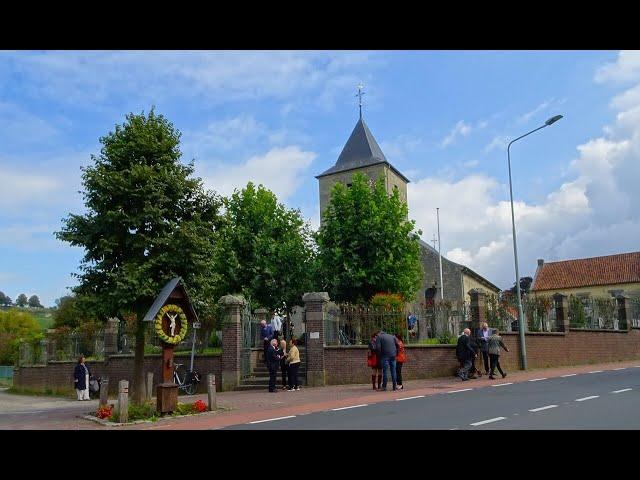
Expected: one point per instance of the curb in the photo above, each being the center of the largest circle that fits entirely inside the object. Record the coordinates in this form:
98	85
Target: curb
107	423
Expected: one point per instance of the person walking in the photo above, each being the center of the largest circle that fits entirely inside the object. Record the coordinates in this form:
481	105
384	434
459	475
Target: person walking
401	357
464	353
81	374
293	361
482	336
386	348
474	346
282	353
273	360
495	342
373	361
266	332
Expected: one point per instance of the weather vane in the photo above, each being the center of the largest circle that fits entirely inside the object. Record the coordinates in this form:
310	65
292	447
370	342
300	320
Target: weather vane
359	95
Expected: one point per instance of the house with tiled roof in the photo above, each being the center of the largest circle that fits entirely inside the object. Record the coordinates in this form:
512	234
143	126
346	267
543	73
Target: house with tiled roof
609	275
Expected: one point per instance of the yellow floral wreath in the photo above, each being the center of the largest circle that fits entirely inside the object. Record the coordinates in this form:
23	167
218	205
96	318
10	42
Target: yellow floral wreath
183	324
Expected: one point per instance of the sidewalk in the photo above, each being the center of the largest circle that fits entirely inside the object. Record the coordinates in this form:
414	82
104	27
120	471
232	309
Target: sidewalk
250	406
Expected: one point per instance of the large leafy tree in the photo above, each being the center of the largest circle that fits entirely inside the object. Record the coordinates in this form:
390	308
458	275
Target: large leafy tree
16	326
266	249
22	300
34	302
4	299
147	220
367	244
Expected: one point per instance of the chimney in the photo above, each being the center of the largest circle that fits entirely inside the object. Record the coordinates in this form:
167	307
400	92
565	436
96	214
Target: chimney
540	262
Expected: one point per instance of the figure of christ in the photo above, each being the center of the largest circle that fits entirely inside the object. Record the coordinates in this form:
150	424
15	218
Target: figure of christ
172	325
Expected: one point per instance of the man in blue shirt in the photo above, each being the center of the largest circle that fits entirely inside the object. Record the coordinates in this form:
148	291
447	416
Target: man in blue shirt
411	324
266	332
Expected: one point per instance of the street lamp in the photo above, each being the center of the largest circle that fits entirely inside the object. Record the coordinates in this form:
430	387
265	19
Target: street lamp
523	351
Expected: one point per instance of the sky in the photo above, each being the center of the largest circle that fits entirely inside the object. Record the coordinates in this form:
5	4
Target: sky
443	118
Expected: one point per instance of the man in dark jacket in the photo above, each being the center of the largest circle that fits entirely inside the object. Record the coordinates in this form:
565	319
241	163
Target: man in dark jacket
266	332
387	349
482	336
464	353
273	362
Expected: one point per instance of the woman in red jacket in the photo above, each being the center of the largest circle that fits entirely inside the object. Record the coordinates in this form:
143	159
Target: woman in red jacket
374	362
401	357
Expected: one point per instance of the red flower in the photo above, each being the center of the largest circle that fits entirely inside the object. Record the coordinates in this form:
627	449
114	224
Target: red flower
104	411
199	406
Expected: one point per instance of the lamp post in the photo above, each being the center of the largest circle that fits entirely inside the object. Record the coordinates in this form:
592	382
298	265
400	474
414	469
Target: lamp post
523	350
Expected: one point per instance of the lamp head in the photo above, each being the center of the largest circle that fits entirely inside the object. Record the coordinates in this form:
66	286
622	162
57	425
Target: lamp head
553	120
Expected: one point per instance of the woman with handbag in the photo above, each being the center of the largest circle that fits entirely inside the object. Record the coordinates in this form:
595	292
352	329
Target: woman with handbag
81	375
374	362
293	361
401	357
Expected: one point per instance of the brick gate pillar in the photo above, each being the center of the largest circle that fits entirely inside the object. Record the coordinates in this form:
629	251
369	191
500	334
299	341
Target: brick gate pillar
111	336
477	307
314	303
625	315
231	340
561	304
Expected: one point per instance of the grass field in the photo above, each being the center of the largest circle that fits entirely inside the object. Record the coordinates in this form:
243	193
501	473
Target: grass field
44	316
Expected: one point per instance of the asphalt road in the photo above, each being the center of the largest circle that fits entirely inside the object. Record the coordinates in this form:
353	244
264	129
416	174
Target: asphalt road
597	400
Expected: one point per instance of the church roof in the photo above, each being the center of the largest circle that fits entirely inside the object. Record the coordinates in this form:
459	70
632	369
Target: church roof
361	150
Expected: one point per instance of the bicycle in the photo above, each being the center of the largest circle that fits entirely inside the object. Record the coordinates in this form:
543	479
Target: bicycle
189	382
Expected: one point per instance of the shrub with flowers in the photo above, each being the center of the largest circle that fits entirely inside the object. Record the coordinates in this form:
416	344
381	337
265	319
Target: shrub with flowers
199	406
105	411
388	301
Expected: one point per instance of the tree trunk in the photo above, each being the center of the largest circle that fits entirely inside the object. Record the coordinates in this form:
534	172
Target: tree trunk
138	360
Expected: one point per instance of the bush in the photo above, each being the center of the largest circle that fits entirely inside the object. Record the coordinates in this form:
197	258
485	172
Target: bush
105	411
16	326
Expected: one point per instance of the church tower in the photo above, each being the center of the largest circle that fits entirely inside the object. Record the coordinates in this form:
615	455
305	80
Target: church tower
361	154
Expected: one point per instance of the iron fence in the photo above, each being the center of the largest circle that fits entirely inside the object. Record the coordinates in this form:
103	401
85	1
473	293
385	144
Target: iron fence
635	311
539	313
349	324
594	313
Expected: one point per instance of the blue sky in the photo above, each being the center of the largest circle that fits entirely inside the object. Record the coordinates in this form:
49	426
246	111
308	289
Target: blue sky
279	118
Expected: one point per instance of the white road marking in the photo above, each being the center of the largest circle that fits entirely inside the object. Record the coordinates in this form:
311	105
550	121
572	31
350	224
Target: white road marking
273	419
463	390
502	384
636	366
491	420
543	408
621	368
537	379
352	406
623	390
586	398
569	375
596	371
409	398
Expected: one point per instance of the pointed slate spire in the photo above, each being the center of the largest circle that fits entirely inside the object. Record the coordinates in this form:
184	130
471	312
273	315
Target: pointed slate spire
361	150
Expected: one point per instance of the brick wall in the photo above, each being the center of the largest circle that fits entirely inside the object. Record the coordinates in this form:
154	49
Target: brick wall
58	376
349	364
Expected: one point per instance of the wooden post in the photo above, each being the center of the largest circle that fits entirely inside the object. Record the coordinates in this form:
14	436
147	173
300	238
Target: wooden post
104	391
211	390
149	385
167	363
123	400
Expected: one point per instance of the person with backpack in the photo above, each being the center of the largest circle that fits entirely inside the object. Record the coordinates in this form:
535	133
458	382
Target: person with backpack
401	357
374	362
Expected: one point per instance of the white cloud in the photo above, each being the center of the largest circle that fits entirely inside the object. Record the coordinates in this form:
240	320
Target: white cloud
527	116
461	129
281	170
30	237
626	68
499	141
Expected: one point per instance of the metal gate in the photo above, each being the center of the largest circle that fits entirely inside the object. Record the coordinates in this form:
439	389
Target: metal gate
248	335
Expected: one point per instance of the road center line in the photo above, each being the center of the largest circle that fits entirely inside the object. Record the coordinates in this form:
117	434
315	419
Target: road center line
491	420
352	406
543	408
502	384
537	379
409	398
621	368
586	398
569	375
623	390
273	419
596	371
463	390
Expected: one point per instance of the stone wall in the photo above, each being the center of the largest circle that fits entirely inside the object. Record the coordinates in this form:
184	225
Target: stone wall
58	376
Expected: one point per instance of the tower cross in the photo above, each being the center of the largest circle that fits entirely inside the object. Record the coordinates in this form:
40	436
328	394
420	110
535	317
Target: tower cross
434	240
359	95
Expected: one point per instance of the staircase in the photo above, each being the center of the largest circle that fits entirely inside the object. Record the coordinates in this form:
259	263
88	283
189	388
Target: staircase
259	378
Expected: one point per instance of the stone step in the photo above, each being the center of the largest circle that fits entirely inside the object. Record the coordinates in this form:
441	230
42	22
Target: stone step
265	380
261	387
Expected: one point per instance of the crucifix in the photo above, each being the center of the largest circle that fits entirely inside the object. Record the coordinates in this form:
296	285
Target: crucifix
434	240
359	95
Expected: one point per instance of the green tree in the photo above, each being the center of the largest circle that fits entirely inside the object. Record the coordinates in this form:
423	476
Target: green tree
266	250
366	243
34	302
22	300
147	220
3	299
69	313
16	326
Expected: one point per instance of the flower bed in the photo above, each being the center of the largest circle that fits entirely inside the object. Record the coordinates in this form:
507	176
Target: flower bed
146	412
